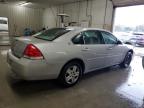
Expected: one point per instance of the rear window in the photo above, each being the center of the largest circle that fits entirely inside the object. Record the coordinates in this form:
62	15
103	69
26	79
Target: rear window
3	22
51	34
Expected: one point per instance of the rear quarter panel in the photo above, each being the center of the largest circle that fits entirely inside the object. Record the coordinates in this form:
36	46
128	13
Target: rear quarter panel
58	54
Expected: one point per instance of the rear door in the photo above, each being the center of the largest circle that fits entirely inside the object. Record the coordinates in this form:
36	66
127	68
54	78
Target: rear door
93	49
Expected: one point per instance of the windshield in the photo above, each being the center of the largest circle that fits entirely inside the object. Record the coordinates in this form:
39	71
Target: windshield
51	34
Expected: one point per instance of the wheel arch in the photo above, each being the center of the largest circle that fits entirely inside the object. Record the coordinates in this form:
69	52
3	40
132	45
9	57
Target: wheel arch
131	51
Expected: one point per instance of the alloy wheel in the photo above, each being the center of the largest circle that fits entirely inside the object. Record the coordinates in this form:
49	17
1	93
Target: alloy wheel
72	74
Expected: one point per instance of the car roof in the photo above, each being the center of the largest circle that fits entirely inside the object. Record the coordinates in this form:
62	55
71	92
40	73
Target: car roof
83	29
74	31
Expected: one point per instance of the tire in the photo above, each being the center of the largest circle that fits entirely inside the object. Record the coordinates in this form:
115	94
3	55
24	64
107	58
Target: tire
70	74
12	79
127	60
143	61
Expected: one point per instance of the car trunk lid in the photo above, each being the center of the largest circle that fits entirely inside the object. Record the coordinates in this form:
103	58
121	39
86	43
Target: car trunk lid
19	44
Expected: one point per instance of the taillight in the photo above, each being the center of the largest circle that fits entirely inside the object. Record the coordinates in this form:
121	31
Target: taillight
32	52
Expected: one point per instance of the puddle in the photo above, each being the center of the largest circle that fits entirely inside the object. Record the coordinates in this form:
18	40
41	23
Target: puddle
133	88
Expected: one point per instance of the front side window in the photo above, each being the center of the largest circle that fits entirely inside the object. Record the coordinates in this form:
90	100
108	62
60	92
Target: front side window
92	37
52	34
108	38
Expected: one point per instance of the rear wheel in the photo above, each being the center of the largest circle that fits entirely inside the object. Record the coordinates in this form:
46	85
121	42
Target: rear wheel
13	79
127	60
70	74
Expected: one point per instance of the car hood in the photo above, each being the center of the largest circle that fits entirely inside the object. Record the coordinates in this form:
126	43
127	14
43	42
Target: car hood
129	46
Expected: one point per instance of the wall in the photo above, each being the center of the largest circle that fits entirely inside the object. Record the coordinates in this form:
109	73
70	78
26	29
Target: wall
92	11
21	17
109	16
98	13
50	17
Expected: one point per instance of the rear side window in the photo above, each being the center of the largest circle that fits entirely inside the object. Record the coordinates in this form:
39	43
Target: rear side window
92	37
88	37
52	34
78	39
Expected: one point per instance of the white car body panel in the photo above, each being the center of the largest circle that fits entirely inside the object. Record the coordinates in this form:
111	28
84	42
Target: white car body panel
62	50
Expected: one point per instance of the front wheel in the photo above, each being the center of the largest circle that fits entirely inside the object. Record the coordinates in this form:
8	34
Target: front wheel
70	74
143	62
127	60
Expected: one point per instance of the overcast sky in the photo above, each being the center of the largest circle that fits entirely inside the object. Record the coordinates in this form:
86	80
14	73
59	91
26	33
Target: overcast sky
130	16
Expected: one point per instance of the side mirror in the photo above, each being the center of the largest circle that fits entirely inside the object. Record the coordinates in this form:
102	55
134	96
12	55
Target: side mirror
128	43
119	42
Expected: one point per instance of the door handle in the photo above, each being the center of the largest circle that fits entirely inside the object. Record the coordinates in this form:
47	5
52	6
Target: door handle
110	48
85	49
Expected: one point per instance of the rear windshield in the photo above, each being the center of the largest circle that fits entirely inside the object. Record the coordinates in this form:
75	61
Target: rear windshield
3	22
51	34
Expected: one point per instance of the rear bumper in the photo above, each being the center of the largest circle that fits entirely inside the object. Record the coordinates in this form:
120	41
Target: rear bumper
31	69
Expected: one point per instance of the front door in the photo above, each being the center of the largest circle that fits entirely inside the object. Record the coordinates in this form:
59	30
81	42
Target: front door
114	50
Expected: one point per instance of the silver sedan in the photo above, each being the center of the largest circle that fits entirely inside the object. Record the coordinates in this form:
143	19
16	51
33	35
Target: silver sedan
66	54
